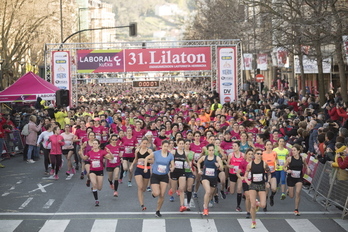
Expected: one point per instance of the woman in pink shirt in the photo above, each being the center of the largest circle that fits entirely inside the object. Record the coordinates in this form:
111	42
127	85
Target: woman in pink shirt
57	141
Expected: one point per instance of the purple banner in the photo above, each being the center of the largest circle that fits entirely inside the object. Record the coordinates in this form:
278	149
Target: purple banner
96	61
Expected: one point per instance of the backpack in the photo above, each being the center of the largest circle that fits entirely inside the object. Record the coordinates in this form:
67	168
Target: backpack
25	130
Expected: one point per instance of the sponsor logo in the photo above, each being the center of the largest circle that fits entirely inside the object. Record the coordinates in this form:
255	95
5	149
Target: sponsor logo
226	57
61	75
60	61
227	91
60	82
227	99
227	71
226	78
227	84
62	87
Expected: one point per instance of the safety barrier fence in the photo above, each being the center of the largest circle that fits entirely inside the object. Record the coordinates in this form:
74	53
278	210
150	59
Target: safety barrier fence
13	144
332	185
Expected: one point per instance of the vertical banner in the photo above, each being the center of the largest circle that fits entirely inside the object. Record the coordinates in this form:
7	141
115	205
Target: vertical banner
262	61
227	73
247	61
345	46
61	69
282	56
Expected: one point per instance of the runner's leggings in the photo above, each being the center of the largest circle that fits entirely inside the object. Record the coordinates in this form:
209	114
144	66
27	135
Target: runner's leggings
56	161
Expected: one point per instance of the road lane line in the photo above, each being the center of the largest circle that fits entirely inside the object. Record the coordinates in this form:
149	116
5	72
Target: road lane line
5	194
198	225
26	203
342	223
104	225
13	187
299	225
41	187
154	225
246	225
48	204
9	225
55	225
19	182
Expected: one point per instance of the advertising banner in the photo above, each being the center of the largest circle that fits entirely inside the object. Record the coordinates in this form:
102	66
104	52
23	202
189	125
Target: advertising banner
61	69
168	59
227	73
96	61
262	61
247	61
282	57
311	66
345	45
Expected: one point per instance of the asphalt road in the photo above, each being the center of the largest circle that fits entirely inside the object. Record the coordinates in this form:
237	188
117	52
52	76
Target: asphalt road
31	202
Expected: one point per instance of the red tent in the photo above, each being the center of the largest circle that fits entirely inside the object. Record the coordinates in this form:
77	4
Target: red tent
28	88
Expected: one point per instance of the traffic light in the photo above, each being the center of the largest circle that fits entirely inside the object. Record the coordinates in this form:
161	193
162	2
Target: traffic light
277	73
133	29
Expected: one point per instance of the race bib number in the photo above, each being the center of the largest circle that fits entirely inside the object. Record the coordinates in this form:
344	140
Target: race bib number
257	177
95	164
235	168
141	162
210	172
67	143
197	155
281	162
187	165
249	175
105	138
115	159
271	168
128	150
295	174
178	164
162	168
98	137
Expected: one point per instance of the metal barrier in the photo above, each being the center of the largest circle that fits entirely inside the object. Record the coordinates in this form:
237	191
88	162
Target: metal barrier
13	142
331	184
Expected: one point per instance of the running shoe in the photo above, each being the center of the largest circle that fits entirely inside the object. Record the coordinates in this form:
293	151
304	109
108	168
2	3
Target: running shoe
171	199
253	225
182	208
296	213
265	209
205	212
77	167
125	174
56	177
177	192
130	184
82	176
195	195
257	205
223	195
188	208
143	208
216	199
148	189
112	186
283	196
158	214
88	183
2	166
50	166
247	215
170	192
120	181
238	209
67	173
52	172
271	200
46	173
30	161
73	170
211	203
115	194
96	203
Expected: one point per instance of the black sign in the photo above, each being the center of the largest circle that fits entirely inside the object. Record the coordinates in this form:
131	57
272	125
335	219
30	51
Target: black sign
145	84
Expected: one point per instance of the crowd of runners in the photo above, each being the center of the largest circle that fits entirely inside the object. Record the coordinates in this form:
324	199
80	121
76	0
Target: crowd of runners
178	138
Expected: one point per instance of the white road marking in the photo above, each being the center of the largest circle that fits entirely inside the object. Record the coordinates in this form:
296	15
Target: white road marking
154	225
342	223
104	225
198	225
40	187
301	224
9	225
55	225
246	225
13	187
164	213
26	203
48	203
5	194
19	182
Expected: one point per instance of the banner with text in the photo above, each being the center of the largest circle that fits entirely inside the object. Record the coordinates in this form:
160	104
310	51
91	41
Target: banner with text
168	59
96	61
311	65
61	69
227	73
